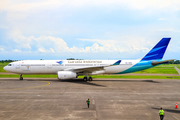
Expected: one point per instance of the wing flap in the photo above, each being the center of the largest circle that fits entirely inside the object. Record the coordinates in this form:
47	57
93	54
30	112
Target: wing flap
92	69
89	69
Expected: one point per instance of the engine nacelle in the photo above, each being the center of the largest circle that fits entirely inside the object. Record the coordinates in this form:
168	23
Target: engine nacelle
66	75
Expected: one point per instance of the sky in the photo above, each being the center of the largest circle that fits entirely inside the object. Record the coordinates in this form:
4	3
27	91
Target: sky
87	29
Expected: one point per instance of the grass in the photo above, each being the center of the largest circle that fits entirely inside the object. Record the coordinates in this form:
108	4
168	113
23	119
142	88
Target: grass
2	65
162	69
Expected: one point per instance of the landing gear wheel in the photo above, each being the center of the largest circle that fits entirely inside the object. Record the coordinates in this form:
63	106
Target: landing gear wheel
21	78
85	79
90	78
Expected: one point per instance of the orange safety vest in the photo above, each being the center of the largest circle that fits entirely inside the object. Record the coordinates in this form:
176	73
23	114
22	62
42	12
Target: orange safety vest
88	101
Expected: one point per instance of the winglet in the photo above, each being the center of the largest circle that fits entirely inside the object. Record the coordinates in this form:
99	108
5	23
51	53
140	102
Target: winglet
117	63
157	52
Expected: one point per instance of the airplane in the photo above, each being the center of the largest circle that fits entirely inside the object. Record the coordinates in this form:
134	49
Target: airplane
71	69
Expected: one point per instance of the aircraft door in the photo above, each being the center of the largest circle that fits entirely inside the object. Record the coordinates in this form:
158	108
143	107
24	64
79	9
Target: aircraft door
17	66
49	65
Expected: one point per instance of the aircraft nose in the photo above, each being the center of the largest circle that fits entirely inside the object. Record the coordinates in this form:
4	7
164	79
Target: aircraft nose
5	68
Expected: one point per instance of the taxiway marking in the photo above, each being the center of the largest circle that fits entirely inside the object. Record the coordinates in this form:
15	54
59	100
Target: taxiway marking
48	83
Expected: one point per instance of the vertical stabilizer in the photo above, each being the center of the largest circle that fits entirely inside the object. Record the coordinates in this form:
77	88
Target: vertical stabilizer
157	52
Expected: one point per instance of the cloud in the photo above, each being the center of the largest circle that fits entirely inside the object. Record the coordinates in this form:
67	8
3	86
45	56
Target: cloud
16	50
47	44
26	46
125	44
53	26
153	4
22	10
168	30
41	50
4	27
56	45
51	50
106	45
51	4
162	19
1	49
102	42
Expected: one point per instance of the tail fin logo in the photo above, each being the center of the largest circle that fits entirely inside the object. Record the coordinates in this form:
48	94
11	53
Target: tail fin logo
157	52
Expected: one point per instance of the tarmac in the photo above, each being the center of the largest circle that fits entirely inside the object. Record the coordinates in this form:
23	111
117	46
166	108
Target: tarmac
111	99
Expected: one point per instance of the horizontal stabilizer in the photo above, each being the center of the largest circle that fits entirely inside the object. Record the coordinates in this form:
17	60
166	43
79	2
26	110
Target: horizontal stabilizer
161	62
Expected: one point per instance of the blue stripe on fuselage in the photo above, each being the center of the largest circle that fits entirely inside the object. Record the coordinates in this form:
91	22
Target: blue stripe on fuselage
137	67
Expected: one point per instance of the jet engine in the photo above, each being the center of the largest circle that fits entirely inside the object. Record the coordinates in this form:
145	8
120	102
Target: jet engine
66	75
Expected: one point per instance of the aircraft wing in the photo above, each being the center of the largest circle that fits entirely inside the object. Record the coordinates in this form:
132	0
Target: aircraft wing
87	69
95	69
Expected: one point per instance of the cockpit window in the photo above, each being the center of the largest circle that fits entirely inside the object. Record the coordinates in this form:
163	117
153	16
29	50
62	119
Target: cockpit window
9	65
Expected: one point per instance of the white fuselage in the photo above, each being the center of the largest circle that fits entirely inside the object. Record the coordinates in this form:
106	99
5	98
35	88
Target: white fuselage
52	66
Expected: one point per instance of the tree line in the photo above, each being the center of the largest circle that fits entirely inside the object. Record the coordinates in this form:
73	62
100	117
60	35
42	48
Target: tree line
2	61
74	59
174	62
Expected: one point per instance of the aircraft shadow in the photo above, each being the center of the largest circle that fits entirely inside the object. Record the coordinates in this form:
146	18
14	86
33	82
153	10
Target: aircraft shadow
168	110
151	81
80	81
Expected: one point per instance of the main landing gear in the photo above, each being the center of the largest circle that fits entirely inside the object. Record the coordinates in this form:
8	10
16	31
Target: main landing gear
21	78
87	78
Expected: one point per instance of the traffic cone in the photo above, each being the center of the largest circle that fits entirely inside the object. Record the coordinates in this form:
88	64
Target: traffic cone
176	106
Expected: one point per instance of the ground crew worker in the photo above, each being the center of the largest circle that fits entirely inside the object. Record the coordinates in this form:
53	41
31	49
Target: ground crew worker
161	114
88	102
